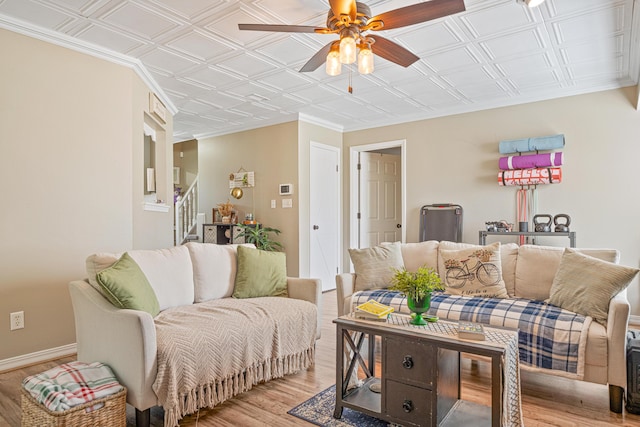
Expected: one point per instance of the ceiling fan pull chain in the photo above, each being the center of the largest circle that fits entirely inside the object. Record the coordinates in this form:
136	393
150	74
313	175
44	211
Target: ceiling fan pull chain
350	81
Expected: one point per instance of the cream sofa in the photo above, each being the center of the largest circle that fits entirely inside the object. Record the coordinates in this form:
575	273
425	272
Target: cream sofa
187	280
528	272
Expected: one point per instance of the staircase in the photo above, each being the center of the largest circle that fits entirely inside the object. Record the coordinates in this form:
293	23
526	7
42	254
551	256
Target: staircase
186	220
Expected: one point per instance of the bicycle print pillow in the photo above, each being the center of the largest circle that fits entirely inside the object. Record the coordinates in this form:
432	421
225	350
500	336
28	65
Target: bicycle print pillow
473	272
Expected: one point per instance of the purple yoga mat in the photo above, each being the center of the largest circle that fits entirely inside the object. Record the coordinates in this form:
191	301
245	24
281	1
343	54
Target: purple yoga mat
531	161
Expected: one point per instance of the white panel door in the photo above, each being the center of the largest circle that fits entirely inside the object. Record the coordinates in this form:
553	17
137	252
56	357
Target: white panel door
324	214
380	199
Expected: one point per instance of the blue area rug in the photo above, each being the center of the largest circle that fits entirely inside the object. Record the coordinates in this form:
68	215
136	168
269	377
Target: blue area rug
319	411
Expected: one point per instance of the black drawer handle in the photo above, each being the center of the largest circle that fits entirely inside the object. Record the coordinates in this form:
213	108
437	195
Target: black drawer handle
407	362
407	405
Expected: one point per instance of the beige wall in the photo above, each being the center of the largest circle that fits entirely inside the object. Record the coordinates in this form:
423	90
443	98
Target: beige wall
272	153
69	126
454	159
188	163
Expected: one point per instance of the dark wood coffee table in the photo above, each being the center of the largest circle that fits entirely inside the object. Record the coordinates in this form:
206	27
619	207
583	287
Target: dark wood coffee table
420	371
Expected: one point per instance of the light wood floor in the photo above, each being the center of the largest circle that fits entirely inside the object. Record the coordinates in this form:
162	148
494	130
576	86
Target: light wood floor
547	400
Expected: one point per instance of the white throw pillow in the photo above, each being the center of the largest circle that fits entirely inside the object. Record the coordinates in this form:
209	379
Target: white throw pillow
97	262
416	255
375	266
214	269
473	272
508	258
170	274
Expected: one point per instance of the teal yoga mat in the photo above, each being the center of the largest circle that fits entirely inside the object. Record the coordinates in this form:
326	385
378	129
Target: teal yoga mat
540	143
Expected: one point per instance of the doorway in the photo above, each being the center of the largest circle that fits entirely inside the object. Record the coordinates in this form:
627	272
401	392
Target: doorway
324	214
378	189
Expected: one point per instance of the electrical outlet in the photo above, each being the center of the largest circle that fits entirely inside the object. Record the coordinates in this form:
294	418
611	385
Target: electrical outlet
17	320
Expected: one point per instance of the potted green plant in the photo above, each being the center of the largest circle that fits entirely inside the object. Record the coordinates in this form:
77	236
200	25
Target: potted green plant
259	236
417	287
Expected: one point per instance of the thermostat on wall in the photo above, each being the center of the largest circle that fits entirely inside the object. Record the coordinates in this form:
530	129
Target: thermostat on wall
286	189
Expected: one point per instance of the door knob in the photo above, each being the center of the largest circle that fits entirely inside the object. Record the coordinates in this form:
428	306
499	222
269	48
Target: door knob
398	225
407	405
315	227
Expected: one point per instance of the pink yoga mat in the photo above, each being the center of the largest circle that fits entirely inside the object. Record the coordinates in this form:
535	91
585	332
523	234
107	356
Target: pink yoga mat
531	161
530	176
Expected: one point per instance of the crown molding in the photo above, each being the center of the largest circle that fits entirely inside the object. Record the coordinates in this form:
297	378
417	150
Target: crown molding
319	122
278	121
472	108
63	40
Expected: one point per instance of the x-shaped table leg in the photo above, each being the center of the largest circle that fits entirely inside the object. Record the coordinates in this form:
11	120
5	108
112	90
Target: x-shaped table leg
356	347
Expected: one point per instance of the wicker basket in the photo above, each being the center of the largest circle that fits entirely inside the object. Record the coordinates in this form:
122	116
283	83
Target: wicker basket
112	414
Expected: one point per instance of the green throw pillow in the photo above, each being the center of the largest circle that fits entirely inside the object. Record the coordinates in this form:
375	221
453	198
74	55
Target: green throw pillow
126	286
260	274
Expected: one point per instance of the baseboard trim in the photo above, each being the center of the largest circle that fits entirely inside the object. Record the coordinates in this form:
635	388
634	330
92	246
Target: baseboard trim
634	320
37	357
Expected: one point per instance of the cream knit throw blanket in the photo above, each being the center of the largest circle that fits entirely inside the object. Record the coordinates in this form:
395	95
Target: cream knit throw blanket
212	351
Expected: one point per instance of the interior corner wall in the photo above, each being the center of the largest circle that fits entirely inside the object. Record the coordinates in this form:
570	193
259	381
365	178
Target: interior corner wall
308	133
455	159
66	126
151	229
272	153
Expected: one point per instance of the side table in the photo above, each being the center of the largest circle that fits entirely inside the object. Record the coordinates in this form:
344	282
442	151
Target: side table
420	377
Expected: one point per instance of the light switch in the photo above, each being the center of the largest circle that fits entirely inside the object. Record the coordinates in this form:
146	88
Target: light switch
287	203
273	204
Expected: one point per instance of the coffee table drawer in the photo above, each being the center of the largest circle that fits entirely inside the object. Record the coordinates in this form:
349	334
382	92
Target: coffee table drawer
408	403
408	360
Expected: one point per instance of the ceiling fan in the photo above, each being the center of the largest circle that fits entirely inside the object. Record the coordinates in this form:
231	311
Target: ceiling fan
352	20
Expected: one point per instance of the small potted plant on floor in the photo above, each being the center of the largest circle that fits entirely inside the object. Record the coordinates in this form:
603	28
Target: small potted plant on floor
417	287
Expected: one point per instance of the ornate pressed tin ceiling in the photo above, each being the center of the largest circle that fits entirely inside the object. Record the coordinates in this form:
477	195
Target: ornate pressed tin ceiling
218	79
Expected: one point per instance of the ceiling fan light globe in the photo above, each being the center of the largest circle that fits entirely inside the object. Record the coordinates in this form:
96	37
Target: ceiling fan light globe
365	61
530	3
347	49
334	66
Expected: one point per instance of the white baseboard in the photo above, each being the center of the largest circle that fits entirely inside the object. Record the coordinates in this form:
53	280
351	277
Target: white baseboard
634	320
37	357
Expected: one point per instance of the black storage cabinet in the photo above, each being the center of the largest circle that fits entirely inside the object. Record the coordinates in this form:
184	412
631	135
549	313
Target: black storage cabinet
633	372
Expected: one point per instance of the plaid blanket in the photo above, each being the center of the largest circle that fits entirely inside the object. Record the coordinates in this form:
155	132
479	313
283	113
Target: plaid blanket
549	337
72	384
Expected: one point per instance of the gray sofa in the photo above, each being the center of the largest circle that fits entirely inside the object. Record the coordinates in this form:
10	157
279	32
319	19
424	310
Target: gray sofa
528	272
188	280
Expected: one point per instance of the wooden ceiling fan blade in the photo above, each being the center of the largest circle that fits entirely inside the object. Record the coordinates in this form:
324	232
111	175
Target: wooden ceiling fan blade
344	7
317	60
392	51
418	13
280	28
